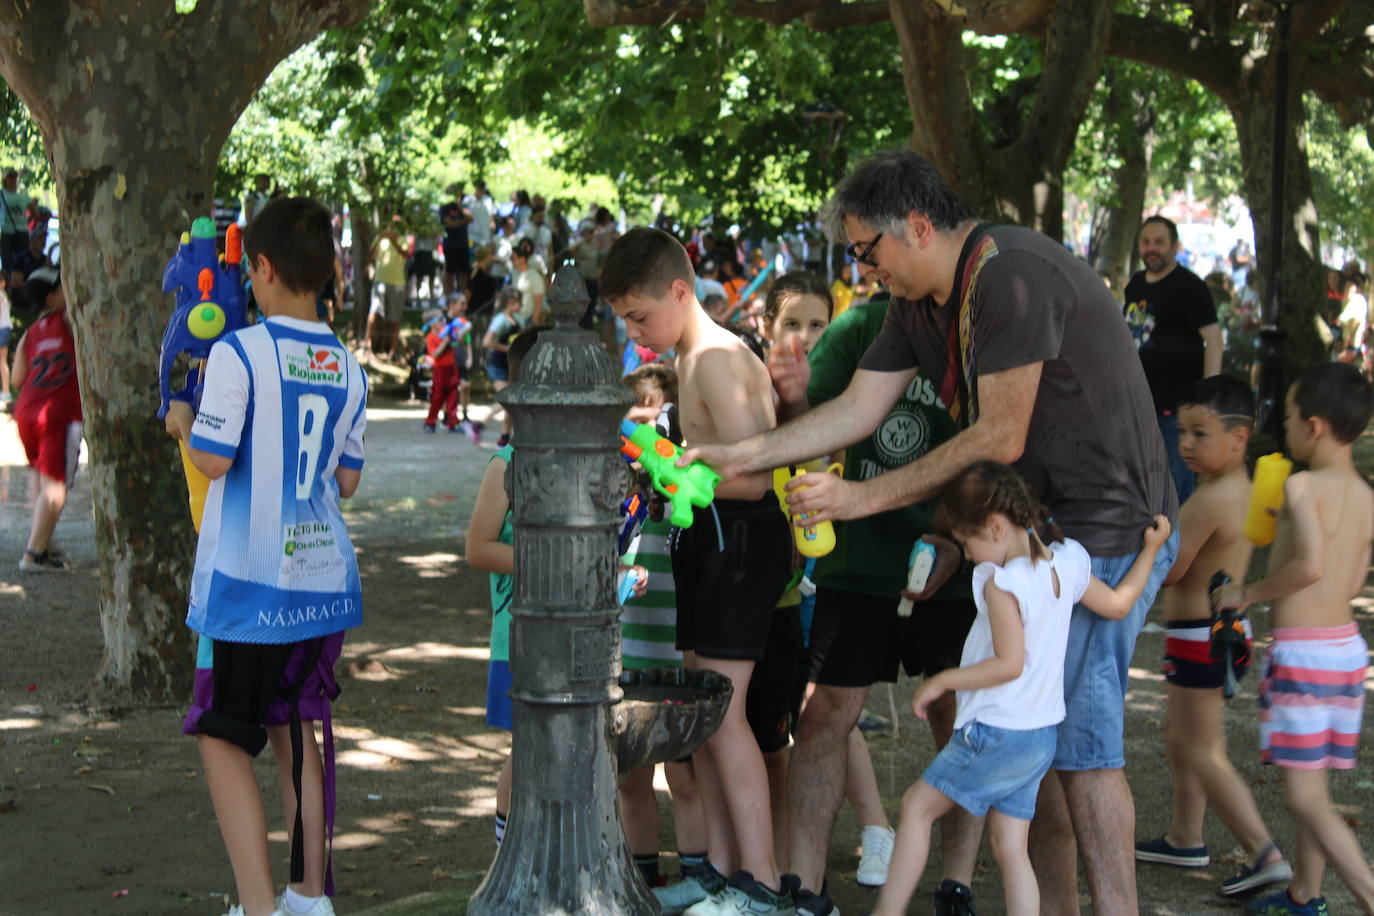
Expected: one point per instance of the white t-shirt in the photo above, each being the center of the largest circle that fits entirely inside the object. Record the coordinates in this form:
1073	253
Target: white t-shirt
542	237
479	230
286	402
530	284
5	320
1036	698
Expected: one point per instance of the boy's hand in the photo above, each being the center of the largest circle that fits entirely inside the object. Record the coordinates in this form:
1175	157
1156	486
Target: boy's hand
1230	596
790	372
641	583
180	419
947	558
1157	533
930	690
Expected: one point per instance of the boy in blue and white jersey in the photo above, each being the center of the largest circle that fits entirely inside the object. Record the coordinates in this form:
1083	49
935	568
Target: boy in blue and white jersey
280	434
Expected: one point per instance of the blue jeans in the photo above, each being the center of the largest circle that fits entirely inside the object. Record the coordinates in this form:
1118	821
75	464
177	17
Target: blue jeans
1097	669
1183	476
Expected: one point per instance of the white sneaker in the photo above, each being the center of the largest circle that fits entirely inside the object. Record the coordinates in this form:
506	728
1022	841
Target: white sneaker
877	855
678	896
322	907
237	910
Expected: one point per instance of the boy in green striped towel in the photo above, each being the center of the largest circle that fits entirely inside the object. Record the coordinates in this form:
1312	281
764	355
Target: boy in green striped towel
648	632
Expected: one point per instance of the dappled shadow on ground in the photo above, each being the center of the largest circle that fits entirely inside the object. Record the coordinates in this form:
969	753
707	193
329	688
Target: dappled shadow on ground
93	804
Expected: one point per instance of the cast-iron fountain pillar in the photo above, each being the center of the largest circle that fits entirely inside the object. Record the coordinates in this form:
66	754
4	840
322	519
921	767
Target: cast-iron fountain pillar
564	850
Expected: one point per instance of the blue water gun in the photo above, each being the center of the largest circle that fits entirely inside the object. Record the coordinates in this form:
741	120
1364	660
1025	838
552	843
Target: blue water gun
210	304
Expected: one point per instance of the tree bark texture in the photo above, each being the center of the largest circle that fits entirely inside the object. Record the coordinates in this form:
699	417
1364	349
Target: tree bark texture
1130	130
1018	177
134	102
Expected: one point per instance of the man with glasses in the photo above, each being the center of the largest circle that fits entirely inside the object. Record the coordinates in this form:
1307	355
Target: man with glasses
1030	356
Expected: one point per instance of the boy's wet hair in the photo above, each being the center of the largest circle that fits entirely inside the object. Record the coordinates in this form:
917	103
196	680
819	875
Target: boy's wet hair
653	377
985	487
645	262
1339	394
1226	396
294	234
796	283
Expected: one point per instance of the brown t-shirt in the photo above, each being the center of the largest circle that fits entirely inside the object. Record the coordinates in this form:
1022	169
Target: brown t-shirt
1093	453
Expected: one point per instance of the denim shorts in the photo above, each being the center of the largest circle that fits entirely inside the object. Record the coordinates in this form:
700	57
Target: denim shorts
5	334
986	767
1097	669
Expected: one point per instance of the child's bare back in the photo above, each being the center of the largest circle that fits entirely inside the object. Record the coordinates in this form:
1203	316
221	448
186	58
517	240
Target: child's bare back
1335	508
1217	507
725	396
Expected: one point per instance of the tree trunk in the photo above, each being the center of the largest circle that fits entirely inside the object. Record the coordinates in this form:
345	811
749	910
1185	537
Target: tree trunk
1021	181
360	219
133	105
1130	133
1301	278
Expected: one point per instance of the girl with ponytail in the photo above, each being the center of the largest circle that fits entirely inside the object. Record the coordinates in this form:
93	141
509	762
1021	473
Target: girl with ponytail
1010	683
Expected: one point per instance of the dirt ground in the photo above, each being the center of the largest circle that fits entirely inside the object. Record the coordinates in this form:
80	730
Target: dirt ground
106	812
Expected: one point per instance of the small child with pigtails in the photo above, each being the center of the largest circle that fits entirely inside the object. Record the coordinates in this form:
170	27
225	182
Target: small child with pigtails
1009	686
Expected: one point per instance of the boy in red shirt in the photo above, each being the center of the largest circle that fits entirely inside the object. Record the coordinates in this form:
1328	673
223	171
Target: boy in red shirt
48	413
448	345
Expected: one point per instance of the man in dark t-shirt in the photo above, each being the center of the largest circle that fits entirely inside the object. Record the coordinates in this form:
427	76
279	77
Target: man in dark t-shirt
1027	349
457	259
1174	322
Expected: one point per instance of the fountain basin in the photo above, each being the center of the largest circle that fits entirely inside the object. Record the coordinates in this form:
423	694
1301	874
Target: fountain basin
666	714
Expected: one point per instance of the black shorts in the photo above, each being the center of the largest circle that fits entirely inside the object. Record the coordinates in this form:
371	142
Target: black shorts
1188	658
247	681
858	640
458	261
425	265
778	683
730	569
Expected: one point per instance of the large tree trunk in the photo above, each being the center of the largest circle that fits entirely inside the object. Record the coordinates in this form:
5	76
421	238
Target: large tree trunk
1130	129
1301	278
1019	177
134	102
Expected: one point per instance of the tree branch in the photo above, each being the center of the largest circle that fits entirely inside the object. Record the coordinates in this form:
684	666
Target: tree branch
602	13
841	15
1213	62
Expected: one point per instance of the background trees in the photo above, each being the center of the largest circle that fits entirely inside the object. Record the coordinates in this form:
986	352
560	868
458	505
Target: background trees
744	109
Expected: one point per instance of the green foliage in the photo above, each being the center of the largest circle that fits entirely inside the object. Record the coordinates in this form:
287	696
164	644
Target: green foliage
22	146
1342	162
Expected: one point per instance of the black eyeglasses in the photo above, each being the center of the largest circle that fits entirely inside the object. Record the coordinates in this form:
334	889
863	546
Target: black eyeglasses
864	255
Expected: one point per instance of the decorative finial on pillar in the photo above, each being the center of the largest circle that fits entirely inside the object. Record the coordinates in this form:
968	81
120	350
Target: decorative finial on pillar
568	297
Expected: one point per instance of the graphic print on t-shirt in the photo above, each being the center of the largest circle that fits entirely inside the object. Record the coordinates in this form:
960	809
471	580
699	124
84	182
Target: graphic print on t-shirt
1140	318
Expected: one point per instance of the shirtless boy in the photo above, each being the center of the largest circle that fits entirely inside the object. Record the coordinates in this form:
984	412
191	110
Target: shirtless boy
1312	694
730	566
1215	418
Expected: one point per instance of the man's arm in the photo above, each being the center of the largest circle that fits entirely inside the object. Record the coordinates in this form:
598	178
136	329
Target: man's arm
826	429
1006	398
1211	356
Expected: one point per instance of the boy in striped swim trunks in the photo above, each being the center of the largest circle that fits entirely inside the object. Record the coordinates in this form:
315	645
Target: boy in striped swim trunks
1312	695
1215	419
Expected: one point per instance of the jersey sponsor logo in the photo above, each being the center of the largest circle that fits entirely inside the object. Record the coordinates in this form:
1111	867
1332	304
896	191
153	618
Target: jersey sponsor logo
314	365
294	616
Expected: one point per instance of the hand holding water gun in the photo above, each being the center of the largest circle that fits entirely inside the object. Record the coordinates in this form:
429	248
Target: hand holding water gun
1227	637
694	485
210	304
812	540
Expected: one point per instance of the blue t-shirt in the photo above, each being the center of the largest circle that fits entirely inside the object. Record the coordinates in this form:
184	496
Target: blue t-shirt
285	401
